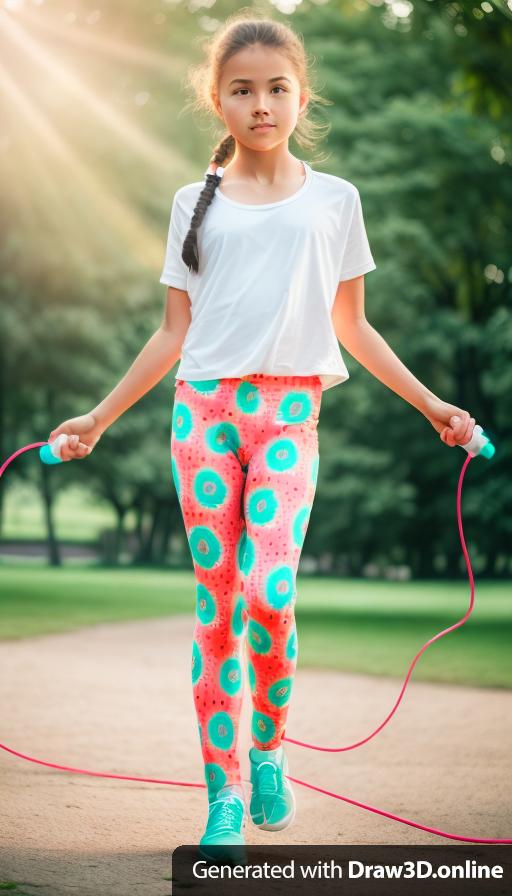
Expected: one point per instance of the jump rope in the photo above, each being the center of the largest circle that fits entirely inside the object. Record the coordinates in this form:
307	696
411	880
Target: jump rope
479	445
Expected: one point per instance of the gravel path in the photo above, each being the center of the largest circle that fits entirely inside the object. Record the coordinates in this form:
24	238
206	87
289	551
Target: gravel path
118	699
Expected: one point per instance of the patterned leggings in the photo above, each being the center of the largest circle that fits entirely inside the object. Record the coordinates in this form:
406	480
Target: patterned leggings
245	465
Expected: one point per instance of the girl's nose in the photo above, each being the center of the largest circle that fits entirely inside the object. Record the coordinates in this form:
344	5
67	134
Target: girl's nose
261	106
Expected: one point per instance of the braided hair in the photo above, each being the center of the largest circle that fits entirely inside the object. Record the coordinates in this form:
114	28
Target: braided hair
224	150
244	29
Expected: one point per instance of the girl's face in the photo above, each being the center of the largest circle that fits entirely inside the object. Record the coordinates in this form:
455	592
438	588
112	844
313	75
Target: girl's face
258	84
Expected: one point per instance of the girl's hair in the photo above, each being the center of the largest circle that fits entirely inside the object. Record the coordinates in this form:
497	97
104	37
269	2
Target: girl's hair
241	30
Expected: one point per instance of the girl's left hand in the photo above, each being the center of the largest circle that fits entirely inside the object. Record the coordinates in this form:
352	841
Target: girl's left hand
454	425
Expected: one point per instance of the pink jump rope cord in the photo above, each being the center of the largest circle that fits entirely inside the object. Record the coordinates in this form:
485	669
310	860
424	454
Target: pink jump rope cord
300	743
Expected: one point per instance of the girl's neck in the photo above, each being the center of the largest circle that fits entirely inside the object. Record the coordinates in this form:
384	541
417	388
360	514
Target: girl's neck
273	183
263	169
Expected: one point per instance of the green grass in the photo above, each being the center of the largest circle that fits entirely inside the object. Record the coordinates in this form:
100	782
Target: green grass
351	625
77	518
12	886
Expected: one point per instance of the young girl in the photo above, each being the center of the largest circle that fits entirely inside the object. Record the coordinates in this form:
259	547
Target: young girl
265	266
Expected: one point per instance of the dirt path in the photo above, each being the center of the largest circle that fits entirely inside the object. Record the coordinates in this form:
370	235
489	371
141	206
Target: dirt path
118	699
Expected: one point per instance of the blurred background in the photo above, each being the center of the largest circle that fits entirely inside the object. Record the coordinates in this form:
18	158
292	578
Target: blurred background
94	141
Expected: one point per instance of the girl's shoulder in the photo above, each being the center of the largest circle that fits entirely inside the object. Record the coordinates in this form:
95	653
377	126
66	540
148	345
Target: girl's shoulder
188	193
332	182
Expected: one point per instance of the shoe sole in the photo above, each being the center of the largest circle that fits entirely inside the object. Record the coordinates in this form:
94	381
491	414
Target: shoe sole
278	825
241	858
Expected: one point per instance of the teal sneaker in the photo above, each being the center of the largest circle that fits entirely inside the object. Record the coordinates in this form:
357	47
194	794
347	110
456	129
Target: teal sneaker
223	837
272	799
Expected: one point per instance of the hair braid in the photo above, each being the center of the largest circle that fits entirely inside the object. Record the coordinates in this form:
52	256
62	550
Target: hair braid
224	150
244	28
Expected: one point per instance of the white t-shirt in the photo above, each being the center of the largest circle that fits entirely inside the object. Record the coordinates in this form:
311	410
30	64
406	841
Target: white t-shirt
268	276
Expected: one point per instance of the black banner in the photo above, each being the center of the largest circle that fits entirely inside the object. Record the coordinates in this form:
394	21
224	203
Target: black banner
357	870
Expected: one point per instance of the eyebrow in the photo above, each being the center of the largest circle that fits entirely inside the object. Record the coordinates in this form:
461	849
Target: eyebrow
248	81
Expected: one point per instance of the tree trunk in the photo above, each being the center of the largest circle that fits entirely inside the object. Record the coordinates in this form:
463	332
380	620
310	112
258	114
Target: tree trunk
54	557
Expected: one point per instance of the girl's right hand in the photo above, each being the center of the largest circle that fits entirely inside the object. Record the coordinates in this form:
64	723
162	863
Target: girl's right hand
83	434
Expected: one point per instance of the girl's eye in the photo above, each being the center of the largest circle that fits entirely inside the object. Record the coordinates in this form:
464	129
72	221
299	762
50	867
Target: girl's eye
276	86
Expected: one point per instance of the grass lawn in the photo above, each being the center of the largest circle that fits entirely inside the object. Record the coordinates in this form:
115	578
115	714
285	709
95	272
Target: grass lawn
374	627
77	517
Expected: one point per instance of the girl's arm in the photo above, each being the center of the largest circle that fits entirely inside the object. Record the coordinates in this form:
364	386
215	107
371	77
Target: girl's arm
155	360
368	347
157	357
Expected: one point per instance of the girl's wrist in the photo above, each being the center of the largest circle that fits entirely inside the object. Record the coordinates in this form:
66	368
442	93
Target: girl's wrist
433	406
97	420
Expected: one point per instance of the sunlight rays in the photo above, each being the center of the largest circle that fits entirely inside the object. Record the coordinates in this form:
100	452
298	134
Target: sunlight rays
57	195
170	66
114	213
151	151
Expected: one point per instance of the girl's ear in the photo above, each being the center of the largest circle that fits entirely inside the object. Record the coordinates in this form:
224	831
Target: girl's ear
217	105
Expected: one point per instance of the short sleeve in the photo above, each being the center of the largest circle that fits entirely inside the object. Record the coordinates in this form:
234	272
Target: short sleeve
357	257
175	270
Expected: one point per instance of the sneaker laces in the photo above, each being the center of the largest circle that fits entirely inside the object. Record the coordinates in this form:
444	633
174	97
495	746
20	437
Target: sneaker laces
224	811
267	778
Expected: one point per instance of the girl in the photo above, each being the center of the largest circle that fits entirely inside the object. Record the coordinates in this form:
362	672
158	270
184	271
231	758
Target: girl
265	267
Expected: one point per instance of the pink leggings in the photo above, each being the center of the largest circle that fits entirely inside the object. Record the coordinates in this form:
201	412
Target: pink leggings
245	464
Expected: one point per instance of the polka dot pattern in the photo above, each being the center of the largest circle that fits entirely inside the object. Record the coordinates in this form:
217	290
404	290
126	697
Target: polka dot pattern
215	778
282	455
262	506
206	387
280	586
209	488
258	637
206	547
231	676
263	727
221	730
291	646
300	525
295	407
244	462
197	662
279	692
239	618
252	676
205	606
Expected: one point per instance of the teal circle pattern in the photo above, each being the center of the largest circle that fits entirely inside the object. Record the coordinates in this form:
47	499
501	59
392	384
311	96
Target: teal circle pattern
314	469
282	455
181	421
215	777
221	730
263	727
279	693
237	620
204	386
246	553
176	477
248	398
230	676
295	408
262	506
300	525
205	546
252	676
280	586
206	607
222	437
291	646
258	637
197	662
209	488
